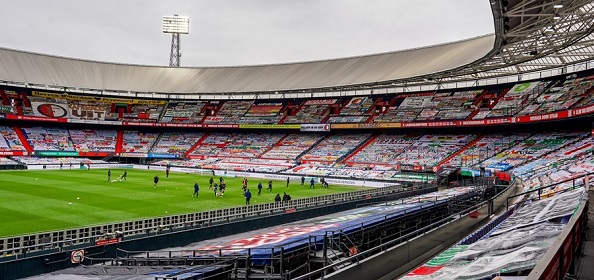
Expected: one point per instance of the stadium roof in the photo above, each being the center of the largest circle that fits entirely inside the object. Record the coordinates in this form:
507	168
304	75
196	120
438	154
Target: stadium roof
530	35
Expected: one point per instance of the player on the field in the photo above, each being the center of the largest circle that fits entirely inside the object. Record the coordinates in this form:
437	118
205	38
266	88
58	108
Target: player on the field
108	175
125	175
210	182
196	189
269	186
167	172
259	188
302	180
287	182
248	196
155	181
312	184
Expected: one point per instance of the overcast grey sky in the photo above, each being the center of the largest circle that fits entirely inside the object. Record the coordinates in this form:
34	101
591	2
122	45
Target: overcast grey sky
239	32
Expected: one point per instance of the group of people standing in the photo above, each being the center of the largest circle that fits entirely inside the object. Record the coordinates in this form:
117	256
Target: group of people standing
219	189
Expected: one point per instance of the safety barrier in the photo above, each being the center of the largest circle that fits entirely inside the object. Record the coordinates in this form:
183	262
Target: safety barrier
110	233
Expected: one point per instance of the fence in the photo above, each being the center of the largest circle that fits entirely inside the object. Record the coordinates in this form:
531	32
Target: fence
17	246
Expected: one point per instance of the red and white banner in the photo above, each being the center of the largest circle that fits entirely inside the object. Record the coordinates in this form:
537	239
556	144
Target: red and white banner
50	109
320	102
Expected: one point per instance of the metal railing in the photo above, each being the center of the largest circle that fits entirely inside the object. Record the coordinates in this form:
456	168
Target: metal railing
580	179
19	246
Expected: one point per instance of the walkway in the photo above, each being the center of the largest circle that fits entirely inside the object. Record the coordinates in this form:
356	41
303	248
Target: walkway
585	263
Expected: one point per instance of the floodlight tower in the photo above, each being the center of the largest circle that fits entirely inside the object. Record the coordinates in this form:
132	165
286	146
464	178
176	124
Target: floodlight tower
175	25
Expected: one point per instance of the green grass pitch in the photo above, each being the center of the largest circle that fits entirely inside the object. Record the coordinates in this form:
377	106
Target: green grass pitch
39	201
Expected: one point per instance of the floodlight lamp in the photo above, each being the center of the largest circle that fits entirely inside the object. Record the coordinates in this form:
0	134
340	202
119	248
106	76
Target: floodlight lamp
556	17
176	24
558	6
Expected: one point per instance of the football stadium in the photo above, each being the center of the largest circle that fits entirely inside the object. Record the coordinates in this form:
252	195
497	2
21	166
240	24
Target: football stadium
472	159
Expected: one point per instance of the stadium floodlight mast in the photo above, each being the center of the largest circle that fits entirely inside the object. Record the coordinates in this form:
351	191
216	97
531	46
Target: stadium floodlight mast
175	25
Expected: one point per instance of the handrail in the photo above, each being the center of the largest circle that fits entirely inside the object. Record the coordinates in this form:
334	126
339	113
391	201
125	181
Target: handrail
165	224
550	186
383	247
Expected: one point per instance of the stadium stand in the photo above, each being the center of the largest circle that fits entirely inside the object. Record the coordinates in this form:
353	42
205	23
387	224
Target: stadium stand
292	146
93	140
48	138
262	113
334	147
184	112
230	112
10	141
170	143
237	145
311	111
484	148
138	143
530	149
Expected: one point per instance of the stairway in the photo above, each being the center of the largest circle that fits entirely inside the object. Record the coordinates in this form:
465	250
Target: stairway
472	143
23	139
310	148
189	151
119	141
361	147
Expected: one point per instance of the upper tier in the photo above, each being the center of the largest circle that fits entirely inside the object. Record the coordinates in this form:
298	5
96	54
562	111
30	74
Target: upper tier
555	98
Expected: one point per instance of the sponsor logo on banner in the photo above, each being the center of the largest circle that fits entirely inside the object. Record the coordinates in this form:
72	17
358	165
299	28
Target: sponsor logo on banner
356	102
97	99
83	111
103	242
50	110
213	119
275	126
264	110
315	127
365	125
320	102
5	109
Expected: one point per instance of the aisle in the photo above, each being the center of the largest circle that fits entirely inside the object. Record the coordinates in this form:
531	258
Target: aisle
584	268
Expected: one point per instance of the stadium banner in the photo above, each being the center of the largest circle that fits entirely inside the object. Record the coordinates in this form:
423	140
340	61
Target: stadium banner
221	125
139	155
213	119
103	242
314	127
93	165
86	111
320	102
94	122
50	109
365	125
93	154
520	89
356	102
273	126
13	153
56	154
264	110
97	99
415	102
34	118
162	156
5	109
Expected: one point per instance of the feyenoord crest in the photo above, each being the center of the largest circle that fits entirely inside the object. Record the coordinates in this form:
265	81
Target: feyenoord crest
52	110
